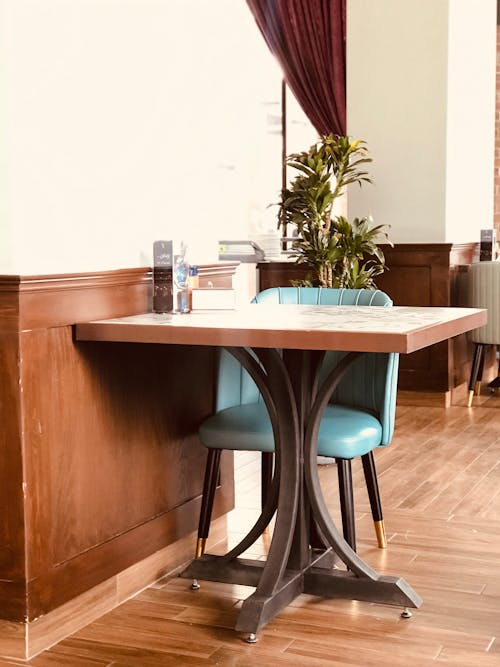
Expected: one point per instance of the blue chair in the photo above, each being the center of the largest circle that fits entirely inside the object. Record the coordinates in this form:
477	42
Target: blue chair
359	417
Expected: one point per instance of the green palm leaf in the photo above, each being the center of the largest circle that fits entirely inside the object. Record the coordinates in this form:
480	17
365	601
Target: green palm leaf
340	253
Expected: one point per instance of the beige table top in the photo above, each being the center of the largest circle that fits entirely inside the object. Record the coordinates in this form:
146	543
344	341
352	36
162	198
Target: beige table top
365	329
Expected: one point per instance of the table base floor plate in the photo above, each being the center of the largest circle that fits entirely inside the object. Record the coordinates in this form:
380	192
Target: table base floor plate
315	579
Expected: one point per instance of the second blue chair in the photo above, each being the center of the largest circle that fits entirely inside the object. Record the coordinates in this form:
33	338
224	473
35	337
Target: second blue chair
359	418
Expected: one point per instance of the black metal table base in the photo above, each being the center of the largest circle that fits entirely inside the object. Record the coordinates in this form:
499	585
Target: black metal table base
257	610
296	563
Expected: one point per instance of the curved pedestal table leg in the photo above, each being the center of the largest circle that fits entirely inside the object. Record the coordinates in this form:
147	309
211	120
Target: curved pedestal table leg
360	582
268	511
274	588
258	374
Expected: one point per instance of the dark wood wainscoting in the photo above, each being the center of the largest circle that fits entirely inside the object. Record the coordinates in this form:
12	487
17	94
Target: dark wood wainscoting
100	465
418	275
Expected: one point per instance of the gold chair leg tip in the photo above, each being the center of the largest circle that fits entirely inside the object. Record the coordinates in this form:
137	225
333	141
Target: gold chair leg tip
200	546
380	532
469	400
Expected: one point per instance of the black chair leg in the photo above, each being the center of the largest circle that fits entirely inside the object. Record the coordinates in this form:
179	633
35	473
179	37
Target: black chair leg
346	501
476	372
370	471
207	499
266	476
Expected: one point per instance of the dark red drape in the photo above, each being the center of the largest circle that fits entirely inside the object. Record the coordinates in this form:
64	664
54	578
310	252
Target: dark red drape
308	39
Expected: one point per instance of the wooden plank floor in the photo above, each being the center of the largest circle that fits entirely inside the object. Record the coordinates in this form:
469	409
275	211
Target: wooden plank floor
440	485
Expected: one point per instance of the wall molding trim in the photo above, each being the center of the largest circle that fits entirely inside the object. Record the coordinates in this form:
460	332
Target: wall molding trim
38	301
113	277
21	283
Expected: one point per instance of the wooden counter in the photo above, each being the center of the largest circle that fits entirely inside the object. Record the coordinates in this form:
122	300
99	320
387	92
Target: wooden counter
101	466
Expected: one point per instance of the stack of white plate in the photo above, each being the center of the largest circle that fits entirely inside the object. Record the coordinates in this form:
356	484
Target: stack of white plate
270	243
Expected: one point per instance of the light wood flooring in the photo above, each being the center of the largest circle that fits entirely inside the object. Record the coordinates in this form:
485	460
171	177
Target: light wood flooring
440	485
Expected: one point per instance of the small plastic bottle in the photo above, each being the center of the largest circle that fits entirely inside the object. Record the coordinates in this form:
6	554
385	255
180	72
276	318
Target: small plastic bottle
181	278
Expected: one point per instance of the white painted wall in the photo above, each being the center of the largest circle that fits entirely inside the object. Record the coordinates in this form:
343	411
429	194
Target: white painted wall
471	119
420	87
125	121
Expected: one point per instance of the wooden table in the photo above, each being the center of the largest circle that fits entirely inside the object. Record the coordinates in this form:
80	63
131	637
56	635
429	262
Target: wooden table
288	342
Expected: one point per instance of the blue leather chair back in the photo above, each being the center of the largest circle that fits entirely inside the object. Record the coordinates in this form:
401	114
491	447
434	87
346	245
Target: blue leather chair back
370	383
323	296
234	384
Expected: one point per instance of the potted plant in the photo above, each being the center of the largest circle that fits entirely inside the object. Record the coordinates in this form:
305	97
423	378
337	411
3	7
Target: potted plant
338	253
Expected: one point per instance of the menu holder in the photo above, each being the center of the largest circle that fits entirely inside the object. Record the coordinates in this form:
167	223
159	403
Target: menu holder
162	277
487	248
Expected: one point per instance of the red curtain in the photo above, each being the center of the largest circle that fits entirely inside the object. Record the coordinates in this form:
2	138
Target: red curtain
308	39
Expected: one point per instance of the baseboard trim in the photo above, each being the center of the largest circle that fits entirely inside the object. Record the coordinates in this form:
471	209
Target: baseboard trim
23	641
436	399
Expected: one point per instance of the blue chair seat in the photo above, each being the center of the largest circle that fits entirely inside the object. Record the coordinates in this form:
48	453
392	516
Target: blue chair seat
344	432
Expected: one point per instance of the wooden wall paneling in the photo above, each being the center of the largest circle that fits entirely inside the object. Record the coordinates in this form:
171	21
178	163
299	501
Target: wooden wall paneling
279	274
421	276
131	416
64	581
461	257
112	464
9	304
11	531
121	453
12	556
117	453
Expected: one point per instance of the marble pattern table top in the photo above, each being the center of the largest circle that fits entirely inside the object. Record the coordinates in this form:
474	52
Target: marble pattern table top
361	328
